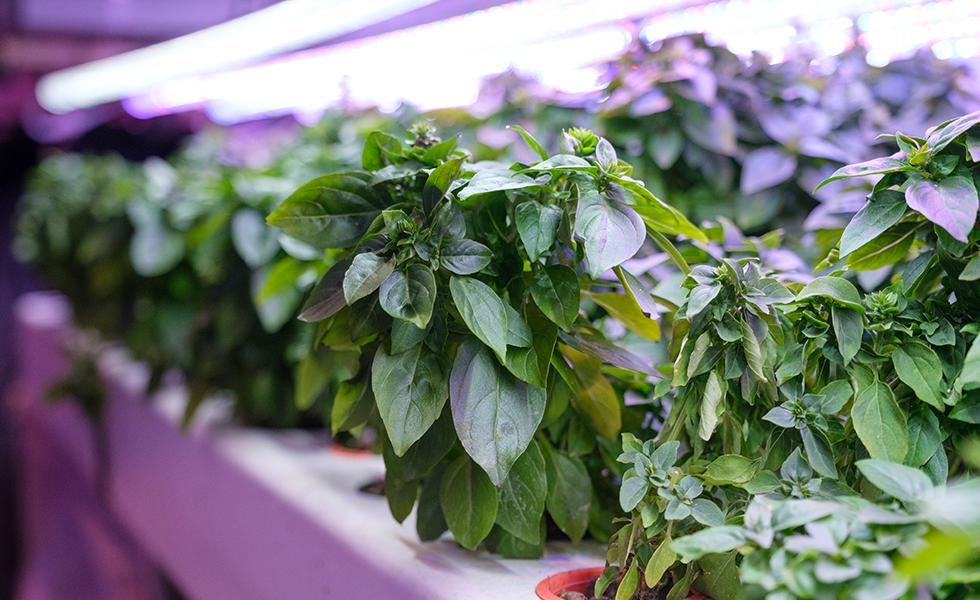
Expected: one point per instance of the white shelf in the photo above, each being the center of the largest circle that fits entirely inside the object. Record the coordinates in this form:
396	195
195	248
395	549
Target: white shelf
242	514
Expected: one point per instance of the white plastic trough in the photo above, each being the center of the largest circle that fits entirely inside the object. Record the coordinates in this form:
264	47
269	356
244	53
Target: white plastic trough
230	513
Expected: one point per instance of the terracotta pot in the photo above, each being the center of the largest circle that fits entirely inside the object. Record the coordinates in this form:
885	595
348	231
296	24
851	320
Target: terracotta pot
577	581
567	581
339	449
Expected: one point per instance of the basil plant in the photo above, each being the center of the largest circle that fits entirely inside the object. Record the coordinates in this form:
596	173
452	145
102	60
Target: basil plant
462	287
850	411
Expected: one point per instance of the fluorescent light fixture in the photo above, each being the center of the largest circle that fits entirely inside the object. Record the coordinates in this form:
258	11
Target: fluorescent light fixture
284	27
559	42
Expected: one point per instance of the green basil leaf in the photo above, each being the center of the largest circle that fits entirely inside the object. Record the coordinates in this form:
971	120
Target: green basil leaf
835	396
496	180
662	560
849	329
410	389
700	297
518	332
599	402
366	317
944	135
763	483
537	224
901	482
753	351
440	151
622	308
877	166
465	257
834	288
919	368
819	452
569	494
970	374
630	581
925	439
427	453
401	496
708	541
884	210
511	546
328	295
719	578
561	163
556	292
532	364
658	215
469	502
887	249
495	413
352	405
880	423
410	294
682	587
377	147
365	275
521	496
730	469
611	230
971	272
449	224
631	492
311	380
968	408
794	513
482	311
589	341
638	293
713	398
333	211
430	523
605	155
395	172
530	141
405	334
438	182
707	512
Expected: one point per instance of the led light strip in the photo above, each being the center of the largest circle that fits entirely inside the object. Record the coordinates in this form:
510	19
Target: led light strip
282	27
557	41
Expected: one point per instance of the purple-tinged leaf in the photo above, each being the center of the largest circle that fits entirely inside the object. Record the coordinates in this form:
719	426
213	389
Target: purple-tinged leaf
973	147
943	135
972	270
764	168
951	203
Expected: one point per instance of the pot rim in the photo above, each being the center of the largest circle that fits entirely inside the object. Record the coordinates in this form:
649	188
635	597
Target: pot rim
551	586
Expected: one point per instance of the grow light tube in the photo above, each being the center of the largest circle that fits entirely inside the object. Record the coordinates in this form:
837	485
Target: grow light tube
283	27
526	36
502	36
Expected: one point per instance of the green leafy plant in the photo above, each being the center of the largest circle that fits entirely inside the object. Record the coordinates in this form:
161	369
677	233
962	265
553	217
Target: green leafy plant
462	285
847	410
174	258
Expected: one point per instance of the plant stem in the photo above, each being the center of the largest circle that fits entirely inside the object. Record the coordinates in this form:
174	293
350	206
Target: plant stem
669	248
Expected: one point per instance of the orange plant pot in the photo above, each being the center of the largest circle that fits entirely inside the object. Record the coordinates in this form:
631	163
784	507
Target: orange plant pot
578	581
568	581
